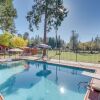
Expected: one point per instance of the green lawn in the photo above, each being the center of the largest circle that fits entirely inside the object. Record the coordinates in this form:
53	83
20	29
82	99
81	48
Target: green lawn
83	57
4	56
70	56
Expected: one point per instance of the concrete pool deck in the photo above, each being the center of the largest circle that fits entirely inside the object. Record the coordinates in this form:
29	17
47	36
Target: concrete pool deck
92	66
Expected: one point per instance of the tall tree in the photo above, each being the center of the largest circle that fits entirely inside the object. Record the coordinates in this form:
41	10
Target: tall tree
7	15
26	36
74	41
97	43
91	45
53	13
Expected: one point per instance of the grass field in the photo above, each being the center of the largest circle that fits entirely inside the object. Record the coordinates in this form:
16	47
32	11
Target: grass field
5	56
70	56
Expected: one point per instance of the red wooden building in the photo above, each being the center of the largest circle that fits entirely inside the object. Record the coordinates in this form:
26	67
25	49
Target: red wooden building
3	48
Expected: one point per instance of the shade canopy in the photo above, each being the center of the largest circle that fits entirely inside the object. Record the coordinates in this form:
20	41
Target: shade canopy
15	50
44	46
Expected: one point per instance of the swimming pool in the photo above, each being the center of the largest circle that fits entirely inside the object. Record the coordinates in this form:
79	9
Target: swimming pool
31	80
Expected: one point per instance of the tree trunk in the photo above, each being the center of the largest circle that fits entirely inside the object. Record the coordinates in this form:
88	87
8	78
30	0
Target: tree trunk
56	42
45	30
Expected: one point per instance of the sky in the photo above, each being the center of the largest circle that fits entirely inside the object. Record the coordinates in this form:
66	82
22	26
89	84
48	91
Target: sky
83	17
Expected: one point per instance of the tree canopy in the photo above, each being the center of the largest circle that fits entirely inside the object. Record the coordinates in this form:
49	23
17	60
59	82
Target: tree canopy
73	44
54	10
7	15
5	39
12	41
18	42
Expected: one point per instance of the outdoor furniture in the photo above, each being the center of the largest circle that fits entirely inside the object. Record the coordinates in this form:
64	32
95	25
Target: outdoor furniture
15	50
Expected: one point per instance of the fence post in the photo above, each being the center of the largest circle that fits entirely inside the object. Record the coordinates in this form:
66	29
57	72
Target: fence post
59	55
76	55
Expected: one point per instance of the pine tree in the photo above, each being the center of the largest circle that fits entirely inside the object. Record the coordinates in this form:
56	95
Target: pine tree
53	13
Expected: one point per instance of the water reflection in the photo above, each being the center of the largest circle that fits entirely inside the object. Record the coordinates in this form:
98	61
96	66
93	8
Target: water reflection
45	72
56	75
23	79
74	72
27	65
7	86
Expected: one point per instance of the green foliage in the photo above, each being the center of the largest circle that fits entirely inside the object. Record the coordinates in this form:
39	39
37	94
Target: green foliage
93	45
50	9
35	40
26	36
10	40
5	39
50	41
73	44
7	15
20	35
97	43
18	42
70	56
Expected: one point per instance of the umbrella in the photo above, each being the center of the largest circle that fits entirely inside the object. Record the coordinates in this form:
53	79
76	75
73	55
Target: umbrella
44	46
15	50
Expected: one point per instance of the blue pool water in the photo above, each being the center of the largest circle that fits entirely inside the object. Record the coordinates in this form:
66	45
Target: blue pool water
29	80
